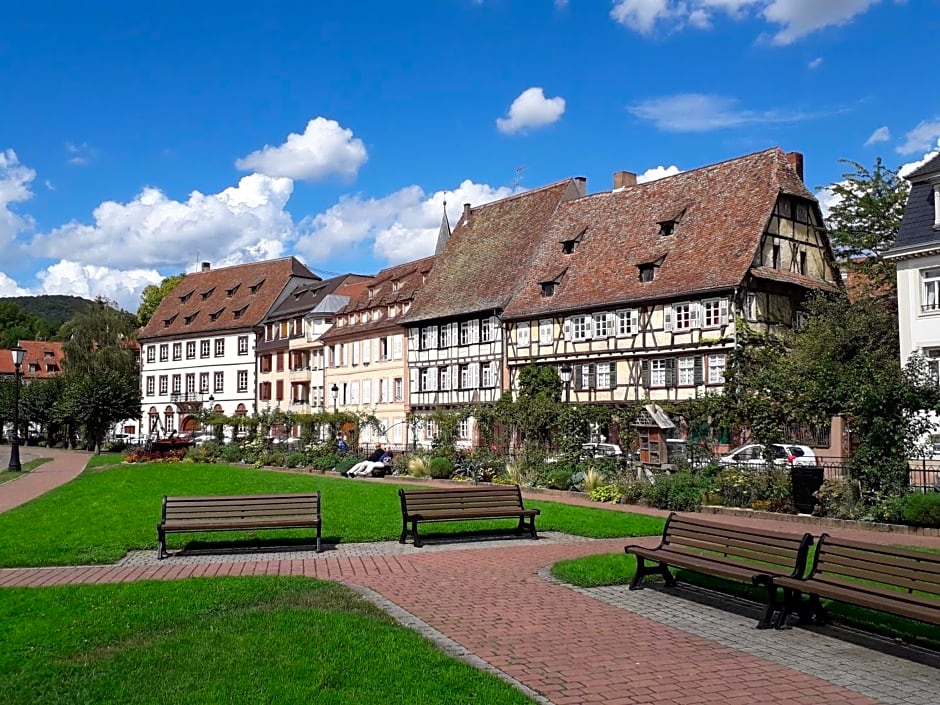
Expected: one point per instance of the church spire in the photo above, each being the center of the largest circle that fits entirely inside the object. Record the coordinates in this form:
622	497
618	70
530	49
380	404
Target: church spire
443	235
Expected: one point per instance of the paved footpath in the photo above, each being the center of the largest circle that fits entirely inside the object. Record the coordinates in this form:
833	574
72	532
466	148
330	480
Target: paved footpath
495	604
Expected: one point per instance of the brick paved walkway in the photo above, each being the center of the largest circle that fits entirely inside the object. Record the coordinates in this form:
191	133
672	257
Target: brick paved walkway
494	601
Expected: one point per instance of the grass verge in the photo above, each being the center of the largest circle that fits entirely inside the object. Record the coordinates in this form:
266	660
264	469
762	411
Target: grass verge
618	569
111	509
28	466
223	640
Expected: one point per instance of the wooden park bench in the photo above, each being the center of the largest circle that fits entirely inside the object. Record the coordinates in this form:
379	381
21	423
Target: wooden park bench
901	581
754	556
462	503
237	513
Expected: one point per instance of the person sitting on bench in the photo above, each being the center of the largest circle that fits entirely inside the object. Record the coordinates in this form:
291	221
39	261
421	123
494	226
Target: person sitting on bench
376	460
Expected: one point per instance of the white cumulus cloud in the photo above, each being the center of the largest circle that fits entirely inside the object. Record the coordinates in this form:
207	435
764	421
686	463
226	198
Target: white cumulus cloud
398	227
923	137
882	134
531	109
324	149
793	19
15	181
153	230
657	172
123	286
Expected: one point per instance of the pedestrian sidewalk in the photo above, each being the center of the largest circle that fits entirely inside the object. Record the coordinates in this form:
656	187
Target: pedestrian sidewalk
495	604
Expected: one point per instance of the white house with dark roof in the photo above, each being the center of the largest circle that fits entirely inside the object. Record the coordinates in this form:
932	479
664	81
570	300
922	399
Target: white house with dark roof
198	350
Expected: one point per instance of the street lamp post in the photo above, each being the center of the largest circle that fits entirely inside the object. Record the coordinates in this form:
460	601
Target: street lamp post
334	392
566	380
18	355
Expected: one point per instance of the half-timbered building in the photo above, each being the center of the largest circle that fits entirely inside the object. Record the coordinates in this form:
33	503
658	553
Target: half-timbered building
644	290
455	338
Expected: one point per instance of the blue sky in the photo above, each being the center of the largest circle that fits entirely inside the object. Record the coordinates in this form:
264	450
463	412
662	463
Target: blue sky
136	142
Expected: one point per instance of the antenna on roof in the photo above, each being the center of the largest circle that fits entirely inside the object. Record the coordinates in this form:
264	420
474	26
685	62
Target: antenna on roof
517	179
197	258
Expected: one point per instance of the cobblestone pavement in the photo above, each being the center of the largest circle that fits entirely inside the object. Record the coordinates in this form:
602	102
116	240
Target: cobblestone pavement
494	603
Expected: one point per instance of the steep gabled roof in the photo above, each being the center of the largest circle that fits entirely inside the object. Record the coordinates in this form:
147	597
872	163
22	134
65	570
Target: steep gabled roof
43	356
306	297
930	168
487	253
392	286
719	214
223	299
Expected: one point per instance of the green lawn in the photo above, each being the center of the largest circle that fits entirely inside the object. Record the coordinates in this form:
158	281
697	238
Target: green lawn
110	509
223	640
28	466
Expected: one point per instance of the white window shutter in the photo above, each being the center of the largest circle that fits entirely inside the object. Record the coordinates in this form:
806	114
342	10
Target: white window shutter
695	315
432	379
667	317
355	352
567	329
413	338
433	336
611	324
412	384
455	377
634	321
723	311
474	375
367	351
588	327
396	347
475	331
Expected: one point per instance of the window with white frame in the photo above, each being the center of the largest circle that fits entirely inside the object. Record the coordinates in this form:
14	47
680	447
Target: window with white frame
443	378
242	381
714	313
584	380
684	316
164	352
151	353
177	384
430	429
465	376
219	382
546	332
399	388
191	383
489	375
443	338
932	358
367	391
425	379
354	393
204	348
603	377
177	351
602	325
580	327
628	322
750	306
658	373
469	332
150	386
930	289
219	347
685	371
164	385
243	345
397	343
191	350
716	369
463	429
428	335
203	382
522	335
488	329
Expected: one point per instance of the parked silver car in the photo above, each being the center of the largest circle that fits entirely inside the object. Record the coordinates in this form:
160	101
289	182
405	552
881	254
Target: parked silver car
755	455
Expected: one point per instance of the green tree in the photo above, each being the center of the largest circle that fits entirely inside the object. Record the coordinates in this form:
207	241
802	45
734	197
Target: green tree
865	222
153	294
16	324
95	402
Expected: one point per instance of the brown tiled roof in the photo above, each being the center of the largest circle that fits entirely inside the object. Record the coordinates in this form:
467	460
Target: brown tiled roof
394	285
40	353
228	298
722	211
779	275
487	253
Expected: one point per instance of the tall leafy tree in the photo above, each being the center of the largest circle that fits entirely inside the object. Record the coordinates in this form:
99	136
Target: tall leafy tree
864	222
16	324
152	295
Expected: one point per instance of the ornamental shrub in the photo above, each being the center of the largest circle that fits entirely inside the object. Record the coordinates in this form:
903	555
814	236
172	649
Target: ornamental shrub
441	468
295	460
232	453
681	492
922	509
606	493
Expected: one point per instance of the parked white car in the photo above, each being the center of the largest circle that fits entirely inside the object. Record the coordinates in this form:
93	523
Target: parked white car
754	455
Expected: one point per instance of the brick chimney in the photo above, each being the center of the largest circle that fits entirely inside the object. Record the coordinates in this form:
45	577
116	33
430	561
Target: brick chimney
466	213
205	267
624	179
796	161
580	183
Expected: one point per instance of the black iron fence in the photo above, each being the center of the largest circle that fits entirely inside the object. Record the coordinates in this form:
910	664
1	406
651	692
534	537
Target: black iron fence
924	477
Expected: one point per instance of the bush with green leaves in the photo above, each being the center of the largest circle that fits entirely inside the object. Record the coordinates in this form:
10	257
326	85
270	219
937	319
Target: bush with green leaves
922	509
441	468
839	499
681	492
323	462
232	453
606	493
556	476
200	455
295	459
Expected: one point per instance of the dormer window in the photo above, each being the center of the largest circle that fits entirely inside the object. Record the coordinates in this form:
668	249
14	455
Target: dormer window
207	293
239	312
185	297
392	311
231	292
647	272
571	241
216	314
667	226
167	322
189	319
396	286
371	292
256	287
548	288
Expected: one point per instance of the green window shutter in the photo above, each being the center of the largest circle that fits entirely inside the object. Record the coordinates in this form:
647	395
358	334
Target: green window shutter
577	376
671	372
645	373
699	374
592	376
613	375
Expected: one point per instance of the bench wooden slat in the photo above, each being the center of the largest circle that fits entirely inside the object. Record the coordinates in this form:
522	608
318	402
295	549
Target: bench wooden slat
890	579
739	553
238	513
463	503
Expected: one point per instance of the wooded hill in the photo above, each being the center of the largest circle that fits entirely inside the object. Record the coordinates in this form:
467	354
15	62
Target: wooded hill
36	317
